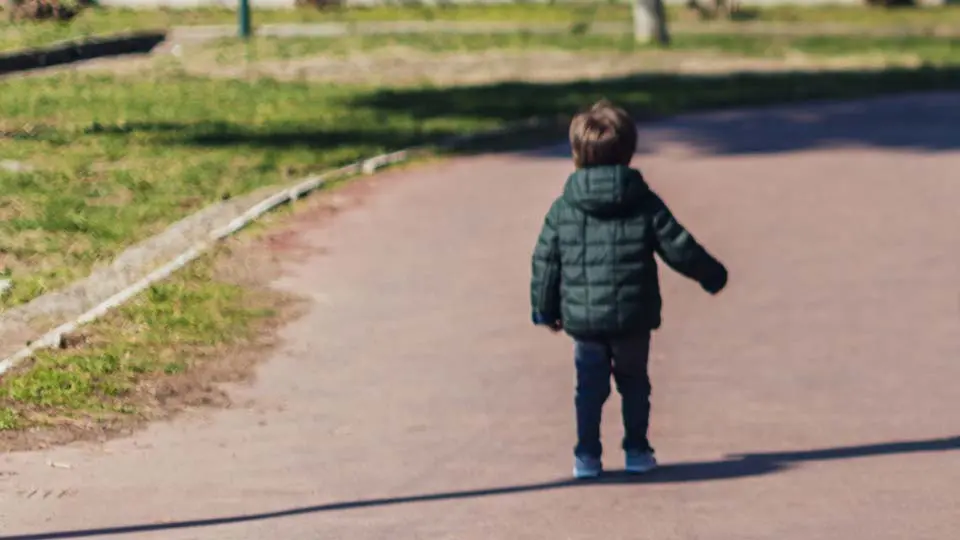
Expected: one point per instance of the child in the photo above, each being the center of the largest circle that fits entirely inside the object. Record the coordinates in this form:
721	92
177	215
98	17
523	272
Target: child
595	276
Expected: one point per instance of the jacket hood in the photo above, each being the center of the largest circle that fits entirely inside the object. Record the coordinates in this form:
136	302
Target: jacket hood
606	191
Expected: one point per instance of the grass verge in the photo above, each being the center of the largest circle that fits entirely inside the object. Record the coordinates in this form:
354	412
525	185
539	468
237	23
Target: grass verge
98	21
134	143
151	358
928	49
114	160
654	95
109	161
927	16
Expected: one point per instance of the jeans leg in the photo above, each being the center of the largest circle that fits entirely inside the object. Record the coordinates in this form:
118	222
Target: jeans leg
630	370
593	389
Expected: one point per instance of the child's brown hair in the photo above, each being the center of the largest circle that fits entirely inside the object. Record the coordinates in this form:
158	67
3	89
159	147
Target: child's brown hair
603	135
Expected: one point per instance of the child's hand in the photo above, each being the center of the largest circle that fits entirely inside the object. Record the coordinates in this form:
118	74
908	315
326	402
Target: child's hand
540	320
717	283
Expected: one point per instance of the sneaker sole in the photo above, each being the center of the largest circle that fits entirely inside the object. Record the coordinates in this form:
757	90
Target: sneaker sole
640	470
583	475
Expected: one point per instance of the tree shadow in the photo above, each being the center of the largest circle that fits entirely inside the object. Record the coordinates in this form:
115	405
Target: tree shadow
433	114
745	14
903	123
287	135
711	11
927	124
80	50
732	467
280	136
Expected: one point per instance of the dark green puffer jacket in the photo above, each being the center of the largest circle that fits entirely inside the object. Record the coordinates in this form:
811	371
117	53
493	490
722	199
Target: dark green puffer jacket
593	267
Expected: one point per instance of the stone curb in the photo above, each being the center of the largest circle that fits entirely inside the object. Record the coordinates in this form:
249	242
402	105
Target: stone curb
84	49
93	297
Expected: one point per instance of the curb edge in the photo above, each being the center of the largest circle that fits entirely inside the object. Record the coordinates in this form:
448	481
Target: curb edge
284	195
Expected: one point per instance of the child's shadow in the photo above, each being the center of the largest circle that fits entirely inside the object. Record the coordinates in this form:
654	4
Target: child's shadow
732	467
675	473
738	466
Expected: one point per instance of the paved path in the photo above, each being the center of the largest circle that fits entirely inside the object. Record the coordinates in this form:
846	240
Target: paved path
815	399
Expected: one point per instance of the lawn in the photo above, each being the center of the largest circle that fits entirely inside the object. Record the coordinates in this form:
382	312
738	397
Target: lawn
926	49
99	21
113	159
927	16
105	21
151	357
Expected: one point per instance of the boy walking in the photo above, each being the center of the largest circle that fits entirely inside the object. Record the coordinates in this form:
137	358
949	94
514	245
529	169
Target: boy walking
595	276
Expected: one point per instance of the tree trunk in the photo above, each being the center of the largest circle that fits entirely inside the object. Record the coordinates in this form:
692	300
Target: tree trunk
9	7
650	22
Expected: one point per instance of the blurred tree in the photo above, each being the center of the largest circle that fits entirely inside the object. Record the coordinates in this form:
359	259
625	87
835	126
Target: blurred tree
892	3
650	22
41	10
721	8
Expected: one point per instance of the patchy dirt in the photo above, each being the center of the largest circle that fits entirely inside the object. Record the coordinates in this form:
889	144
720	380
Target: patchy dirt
162	397
254	260
407	67
403	66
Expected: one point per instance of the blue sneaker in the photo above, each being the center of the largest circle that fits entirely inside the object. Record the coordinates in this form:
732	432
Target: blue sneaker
640	462
587	467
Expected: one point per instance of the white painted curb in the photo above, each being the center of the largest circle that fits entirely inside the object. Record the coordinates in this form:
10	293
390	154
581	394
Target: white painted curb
368	166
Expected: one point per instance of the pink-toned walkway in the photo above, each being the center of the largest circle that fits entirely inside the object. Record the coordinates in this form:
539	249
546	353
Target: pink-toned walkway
815	399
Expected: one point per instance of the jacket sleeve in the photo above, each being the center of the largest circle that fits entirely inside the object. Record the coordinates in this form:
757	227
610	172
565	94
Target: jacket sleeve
545	284
680	250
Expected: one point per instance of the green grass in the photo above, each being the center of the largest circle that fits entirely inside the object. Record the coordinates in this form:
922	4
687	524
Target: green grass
652	95
927	49
930	49
229	51
9	419
858	15
119	158
116	160
104	21
165	332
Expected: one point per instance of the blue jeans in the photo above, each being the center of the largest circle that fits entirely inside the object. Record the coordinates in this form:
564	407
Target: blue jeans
626	360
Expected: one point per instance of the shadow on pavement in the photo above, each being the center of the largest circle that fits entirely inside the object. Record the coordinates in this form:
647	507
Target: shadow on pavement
286	135
927	124
402	117
729	468
915	123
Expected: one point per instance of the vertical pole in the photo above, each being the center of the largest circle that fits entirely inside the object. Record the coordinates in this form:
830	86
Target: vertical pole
650	22
244	19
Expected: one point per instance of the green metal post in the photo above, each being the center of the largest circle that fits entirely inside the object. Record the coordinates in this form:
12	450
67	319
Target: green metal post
244	19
